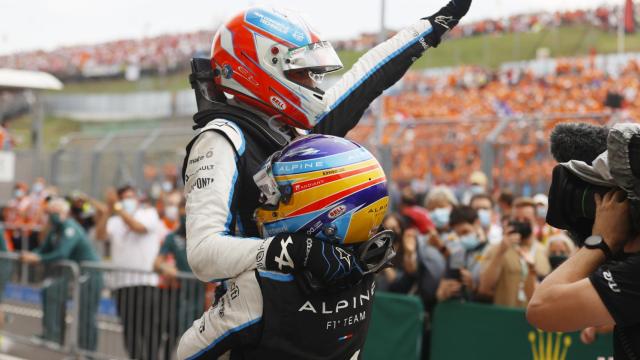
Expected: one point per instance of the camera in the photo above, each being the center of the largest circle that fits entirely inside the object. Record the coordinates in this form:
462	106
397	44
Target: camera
593	160
572	205
520	227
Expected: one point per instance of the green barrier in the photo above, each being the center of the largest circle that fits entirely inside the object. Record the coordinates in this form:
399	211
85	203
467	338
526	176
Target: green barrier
486	332
396	328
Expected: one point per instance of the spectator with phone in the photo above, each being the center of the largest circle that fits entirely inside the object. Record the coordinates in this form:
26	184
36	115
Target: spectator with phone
510	270
465	245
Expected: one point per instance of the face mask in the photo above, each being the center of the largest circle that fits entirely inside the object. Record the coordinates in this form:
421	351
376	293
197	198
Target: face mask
55	220
484	215
541	211
167	186
130	205
556	260
171	212
469	241
19	193
440	217
37	188
155	191
477	189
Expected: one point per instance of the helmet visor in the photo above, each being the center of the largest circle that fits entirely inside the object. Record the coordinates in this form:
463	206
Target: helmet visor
306	65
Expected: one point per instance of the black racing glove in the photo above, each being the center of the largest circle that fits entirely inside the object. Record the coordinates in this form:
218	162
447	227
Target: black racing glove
326	265
446	19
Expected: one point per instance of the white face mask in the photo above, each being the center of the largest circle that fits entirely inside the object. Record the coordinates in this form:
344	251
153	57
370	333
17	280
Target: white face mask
37	188
130	205
485	217
167	186
171	212
541	211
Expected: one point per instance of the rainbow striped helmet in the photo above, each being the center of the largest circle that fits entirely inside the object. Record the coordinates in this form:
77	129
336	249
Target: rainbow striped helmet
329	187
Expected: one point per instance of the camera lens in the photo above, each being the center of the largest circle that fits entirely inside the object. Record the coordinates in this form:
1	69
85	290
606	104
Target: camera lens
572	205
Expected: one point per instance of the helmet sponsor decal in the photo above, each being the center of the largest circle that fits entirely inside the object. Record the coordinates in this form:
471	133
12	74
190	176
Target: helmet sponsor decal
287	28
278	103
337	211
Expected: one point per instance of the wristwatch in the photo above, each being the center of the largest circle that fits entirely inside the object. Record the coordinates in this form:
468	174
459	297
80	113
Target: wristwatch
597	242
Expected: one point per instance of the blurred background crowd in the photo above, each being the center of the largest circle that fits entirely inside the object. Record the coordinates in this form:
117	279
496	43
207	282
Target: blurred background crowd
171	52
453	242
465	149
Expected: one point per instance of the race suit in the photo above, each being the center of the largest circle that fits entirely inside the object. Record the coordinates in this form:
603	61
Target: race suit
232	145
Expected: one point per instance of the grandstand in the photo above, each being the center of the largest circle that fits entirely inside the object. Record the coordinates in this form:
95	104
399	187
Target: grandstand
485	101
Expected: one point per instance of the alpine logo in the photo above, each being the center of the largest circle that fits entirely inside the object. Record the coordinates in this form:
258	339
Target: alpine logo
307	151
278	103
337	211
284	259
344	257
444	20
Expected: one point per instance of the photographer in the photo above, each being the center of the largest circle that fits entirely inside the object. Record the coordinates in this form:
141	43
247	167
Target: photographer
599	285
510	270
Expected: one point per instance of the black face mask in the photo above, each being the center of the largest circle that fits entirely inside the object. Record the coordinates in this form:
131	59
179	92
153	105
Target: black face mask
556	260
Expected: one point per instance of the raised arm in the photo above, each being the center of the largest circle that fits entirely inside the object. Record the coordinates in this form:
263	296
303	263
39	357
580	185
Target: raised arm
383	66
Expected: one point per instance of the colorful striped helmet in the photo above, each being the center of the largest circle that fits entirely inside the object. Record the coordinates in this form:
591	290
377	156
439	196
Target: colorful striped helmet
328	187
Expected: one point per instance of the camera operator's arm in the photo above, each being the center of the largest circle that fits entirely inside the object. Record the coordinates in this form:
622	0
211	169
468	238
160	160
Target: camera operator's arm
566	300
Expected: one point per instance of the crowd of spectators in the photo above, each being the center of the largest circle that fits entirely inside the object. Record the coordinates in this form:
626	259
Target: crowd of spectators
606	17
166	53
437	126
157	55
472	244
139	230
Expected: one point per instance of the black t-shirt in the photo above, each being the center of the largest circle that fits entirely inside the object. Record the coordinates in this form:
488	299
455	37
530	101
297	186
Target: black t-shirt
618	284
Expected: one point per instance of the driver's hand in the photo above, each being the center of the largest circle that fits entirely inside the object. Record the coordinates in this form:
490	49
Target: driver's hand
334	266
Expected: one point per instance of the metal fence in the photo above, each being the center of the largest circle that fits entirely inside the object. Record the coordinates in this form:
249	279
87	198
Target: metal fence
92	162
98	310
43	308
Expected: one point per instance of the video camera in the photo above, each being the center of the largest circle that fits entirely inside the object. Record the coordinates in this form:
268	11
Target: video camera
592	160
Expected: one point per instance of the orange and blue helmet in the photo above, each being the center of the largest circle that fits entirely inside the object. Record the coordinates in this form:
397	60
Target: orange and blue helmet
325	186
273	61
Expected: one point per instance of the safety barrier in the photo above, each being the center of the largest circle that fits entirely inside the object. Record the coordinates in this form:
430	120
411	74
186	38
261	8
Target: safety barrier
137	313
105	312
97	310
477	331
397	324
22	237
49	297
